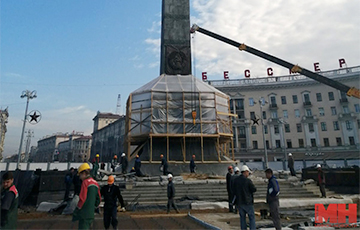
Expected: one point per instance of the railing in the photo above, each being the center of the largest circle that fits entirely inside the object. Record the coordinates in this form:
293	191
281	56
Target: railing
307	103
273	106
343	100
287	78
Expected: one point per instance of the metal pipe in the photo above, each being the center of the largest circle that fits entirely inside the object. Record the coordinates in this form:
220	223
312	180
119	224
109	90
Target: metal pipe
263	134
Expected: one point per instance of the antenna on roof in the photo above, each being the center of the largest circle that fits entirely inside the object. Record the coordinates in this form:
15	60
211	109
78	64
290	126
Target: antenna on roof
118	105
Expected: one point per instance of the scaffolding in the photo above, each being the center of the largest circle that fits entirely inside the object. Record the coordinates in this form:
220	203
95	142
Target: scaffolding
178	116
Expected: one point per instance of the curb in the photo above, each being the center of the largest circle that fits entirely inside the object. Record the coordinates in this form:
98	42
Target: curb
203	223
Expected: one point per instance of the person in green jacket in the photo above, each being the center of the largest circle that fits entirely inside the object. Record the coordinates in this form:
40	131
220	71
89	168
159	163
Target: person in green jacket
9	202
95	169
89	198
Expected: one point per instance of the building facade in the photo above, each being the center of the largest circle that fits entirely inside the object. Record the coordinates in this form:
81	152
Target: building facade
108	136
47	147
76	149
4	114
300	116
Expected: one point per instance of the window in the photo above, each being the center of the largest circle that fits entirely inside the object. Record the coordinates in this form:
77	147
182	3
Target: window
313	142
326	142
338	141
286	115
323	126
346	109
299	127
251	101
278	145
265	129
252	115
274	114
311	127
333	110
297	113
264	115
288	143
321	112
343	95
351	141
276	129
255	145
241	114
242	131
239	103
318	97
301	143
283	100
253	129
336	125
348	125
267	145
295	99
357	108
306	97
308	112
331	96
231	104
273	100
287	128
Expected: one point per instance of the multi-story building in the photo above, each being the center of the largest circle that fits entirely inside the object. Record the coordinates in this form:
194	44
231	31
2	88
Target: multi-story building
4	114
76	149
300	116
47	147
108	136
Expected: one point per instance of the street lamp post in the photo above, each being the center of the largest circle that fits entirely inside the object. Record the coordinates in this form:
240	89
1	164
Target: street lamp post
282	122
29	95
262	103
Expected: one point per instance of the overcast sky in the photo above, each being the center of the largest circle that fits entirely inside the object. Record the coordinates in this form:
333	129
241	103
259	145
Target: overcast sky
79	55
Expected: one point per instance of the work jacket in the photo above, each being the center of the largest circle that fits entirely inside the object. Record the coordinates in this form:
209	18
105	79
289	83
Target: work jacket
111	194
244	190
228	182
273	190
171	190
89	199
192	164
9	207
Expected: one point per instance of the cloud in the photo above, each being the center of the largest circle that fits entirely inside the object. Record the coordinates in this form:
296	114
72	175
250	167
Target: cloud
154	45
14	75
155	28
299	32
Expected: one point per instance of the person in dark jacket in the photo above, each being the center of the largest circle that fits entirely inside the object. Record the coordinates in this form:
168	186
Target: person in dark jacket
171	194
77	183
68	183
114	163
291	165
111	193
137	166
164	165
228	188
9	202
95	168
244	196
272	198
124	163
192	164
321	181
232	184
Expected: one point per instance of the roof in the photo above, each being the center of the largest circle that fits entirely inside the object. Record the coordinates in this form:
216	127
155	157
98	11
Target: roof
177	83
83	138
107	115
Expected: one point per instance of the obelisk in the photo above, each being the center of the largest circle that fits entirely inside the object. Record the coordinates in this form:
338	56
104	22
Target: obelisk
175	38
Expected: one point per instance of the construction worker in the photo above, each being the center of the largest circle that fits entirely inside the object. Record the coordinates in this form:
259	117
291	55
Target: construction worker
244	195
133	170
77	183
95	168
111	194
272	198
68	183
9	202
192	164
228	188
114	163
321	181
164	165
171	194
232	184
89	198
291	165
124	163
137	166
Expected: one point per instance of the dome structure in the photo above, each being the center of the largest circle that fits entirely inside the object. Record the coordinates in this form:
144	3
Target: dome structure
178	116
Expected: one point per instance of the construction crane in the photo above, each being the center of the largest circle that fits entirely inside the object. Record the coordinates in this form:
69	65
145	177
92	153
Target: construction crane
350	91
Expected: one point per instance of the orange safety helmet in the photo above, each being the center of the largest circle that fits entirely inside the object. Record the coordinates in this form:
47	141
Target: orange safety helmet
115	156
193	156
111	179
161	156
137	156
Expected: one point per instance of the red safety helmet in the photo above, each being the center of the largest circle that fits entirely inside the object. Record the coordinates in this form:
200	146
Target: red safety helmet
230	167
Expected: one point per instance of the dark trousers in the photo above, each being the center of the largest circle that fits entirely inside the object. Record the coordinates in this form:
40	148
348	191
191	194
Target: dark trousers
192	170
230	199
67	191
275	214
171	203
249	210
322	189
292	171
110	216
